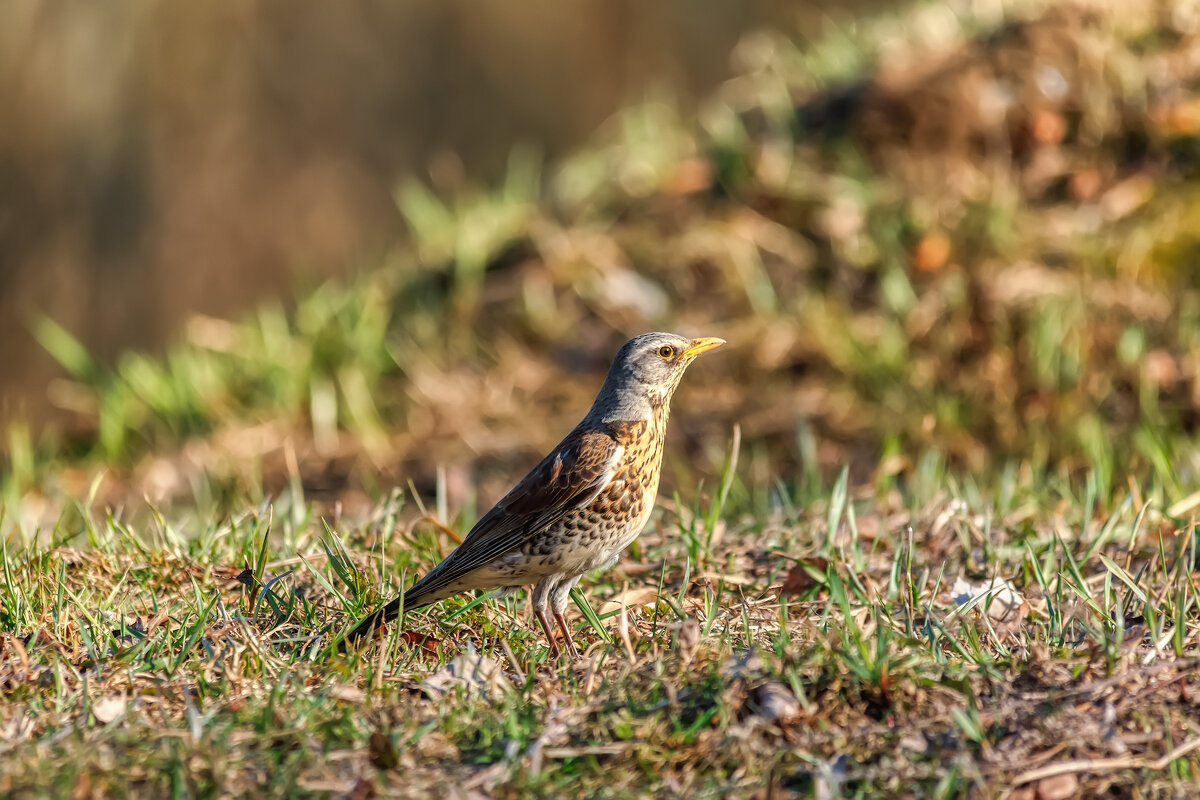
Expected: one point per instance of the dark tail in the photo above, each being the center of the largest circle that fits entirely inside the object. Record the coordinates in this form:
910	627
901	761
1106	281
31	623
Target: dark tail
375	620
378	618
418	595
410	600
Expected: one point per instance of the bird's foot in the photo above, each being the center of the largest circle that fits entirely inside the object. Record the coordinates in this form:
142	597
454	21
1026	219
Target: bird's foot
566	632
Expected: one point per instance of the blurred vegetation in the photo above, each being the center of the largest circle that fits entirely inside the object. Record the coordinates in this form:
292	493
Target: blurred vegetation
181	158
930	230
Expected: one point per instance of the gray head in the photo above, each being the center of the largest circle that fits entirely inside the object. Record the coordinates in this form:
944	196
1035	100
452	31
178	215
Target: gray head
644	374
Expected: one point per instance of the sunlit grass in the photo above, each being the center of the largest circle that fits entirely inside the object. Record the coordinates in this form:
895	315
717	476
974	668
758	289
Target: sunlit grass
207	653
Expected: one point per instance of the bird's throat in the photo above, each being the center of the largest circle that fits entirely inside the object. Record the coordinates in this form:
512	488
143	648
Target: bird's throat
635	407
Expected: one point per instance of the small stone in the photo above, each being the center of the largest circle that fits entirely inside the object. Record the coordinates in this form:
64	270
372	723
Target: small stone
740	665
468	671
687	638
437	746
774	702
1058	787
108	709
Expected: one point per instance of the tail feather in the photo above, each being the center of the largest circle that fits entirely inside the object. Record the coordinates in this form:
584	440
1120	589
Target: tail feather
374	620
411	600
430	589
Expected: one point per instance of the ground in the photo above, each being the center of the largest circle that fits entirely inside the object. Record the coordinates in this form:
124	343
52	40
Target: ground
915	642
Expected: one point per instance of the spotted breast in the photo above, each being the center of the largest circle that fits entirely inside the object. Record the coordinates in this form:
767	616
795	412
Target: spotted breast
589	537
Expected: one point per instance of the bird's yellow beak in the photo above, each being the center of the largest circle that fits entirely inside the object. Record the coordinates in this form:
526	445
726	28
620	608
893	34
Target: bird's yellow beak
702	346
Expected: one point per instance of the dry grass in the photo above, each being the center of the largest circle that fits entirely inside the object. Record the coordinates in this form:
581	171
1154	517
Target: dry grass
824	643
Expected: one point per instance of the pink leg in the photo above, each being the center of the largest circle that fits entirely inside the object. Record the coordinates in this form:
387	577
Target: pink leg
566	632
541	615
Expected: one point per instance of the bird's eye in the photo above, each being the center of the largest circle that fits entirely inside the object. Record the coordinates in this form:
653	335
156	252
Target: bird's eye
666	351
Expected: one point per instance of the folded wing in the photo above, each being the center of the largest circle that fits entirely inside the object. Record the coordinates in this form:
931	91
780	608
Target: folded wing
568	478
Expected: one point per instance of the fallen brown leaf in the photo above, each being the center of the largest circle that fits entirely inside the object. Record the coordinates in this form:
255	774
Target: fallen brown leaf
429	644
1057	787
932	252
381	752
641	596
804	576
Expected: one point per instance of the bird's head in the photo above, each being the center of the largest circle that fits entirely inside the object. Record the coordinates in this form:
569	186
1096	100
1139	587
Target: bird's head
645	372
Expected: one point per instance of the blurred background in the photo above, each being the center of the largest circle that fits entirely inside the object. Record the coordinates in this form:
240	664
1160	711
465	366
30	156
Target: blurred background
161	160
253	245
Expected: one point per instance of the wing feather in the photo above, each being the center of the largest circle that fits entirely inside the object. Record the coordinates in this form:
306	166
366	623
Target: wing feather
568	478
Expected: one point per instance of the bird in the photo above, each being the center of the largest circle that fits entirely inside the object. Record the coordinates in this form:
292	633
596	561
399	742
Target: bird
584	503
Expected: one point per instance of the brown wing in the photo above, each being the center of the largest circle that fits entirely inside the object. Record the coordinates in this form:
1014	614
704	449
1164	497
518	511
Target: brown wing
568	478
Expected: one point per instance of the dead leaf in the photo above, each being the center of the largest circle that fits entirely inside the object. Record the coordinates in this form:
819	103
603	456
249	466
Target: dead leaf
364	789
869	526
17	728
381	752
1058	787
18	649
932	252
631	598
1126	197
804	576
774	702
155	621
347	693
469	671
693	175
687	638
732	580
109	708
437	746
998	597
429	644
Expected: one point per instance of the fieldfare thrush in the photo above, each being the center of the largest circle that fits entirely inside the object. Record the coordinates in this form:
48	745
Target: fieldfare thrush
582	504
